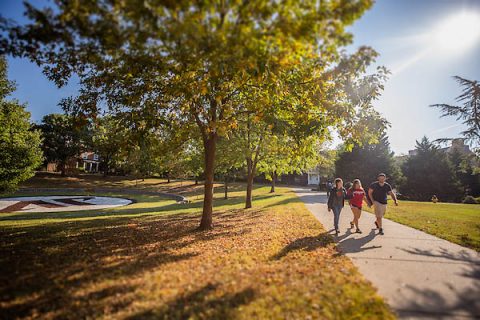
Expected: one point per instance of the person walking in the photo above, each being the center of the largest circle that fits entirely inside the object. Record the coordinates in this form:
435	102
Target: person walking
378	192
356	194
328	187
336	202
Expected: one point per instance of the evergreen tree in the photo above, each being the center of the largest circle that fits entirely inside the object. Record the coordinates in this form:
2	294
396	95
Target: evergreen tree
367	161
429	173
468	111
466	170
19	144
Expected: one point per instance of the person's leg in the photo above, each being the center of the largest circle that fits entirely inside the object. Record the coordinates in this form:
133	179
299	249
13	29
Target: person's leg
379	213
352	222
378	216
356	216
336	217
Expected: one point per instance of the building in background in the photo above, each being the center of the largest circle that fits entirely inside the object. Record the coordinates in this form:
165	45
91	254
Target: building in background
457	144
89	162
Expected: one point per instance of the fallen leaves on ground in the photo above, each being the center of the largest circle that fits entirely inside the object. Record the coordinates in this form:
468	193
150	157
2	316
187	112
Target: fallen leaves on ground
271	262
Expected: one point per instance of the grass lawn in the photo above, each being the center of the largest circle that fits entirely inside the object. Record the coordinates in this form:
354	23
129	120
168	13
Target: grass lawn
146	261
89	181
455	222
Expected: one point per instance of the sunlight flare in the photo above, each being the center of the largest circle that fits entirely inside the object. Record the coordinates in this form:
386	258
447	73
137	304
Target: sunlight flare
457	33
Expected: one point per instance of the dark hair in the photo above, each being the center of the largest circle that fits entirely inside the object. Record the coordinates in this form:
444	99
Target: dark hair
382	175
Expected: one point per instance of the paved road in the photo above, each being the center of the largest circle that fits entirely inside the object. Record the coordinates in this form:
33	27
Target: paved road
420	275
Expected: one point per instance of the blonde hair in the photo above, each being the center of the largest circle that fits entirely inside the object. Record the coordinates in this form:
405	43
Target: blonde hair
359	184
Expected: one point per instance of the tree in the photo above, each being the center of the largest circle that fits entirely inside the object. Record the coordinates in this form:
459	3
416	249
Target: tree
366	161
152	151
429	173
108	141
284	155
190	61
193	158
466	169
19	144
305	114
230	159
468	111
62	138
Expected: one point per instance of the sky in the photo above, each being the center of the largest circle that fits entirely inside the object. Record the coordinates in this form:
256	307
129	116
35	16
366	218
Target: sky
424	43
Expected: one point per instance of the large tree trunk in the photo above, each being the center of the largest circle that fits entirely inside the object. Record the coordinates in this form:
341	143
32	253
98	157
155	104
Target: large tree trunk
250	176
210	144
274	177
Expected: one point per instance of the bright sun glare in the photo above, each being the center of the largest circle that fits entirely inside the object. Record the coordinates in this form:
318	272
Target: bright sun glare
457	33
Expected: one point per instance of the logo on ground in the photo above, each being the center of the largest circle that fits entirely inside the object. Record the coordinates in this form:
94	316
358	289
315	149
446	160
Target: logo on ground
59	203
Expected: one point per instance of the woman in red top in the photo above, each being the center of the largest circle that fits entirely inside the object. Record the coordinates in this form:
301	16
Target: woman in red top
356	195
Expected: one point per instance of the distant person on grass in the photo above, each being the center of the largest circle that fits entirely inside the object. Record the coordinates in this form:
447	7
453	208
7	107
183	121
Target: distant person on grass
336	201
377	193
356	194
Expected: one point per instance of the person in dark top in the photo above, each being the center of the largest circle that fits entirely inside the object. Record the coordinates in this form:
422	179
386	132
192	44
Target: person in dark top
377	193
336	201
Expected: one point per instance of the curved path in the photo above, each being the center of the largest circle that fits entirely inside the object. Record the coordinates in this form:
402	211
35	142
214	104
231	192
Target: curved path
419	275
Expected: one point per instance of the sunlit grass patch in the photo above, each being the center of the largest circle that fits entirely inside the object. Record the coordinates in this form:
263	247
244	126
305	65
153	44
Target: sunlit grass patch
455	222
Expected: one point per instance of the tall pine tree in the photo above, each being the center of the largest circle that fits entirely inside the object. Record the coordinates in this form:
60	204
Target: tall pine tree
429	173
367	161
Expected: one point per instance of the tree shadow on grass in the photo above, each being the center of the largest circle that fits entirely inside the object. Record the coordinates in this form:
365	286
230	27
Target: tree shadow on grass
201	303
305	244
467	303
284	202
45	268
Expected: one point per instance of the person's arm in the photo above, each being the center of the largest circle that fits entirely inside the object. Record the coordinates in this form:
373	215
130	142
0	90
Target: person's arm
365	197
394	197
370	195
329	202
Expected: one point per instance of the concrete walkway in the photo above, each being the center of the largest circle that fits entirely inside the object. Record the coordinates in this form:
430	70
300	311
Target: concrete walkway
420	275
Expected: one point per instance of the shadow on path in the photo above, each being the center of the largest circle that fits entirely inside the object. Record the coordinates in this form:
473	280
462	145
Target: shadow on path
352	245
309	198
467	302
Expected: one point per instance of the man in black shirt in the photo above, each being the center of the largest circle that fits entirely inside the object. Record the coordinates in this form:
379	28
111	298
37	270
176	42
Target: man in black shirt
377	193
